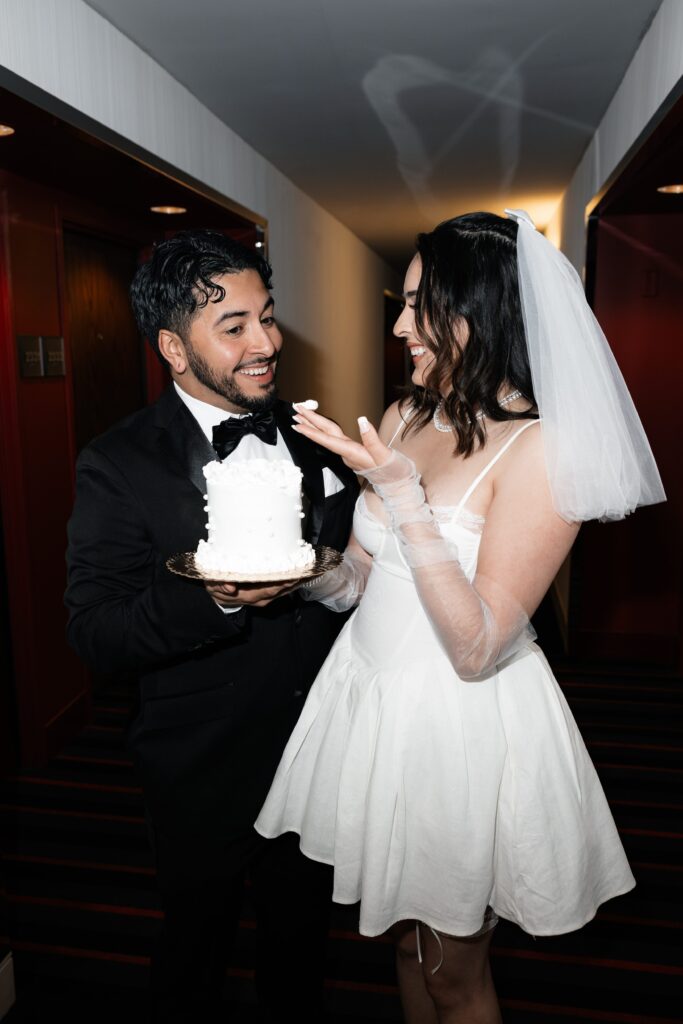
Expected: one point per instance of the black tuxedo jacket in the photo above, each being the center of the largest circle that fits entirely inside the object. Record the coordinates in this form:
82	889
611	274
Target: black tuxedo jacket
219	693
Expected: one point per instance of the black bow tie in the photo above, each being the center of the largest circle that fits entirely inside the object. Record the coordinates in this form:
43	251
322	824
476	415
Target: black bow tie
228	434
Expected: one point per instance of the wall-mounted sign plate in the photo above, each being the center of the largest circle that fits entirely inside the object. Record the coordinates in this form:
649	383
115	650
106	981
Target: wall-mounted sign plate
30	352
53	357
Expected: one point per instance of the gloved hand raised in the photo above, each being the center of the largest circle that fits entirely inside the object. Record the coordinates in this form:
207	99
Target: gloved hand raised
478	622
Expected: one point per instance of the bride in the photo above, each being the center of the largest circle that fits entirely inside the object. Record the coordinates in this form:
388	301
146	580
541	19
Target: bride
436	764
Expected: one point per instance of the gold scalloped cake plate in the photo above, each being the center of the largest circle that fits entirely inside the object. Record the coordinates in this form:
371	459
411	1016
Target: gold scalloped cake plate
184	565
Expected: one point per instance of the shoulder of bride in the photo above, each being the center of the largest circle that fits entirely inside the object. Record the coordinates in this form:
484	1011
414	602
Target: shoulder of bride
391	420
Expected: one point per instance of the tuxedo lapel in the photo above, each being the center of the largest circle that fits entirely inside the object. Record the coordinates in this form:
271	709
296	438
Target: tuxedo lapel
183	440
309	460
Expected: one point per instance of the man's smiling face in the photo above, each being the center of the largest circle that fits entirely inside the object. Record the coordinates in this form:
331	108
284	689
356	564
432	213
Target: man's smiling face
228	357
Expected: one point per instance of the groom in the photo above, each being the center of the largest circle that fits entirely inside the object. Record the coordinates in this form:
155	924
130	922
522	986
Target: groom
223	670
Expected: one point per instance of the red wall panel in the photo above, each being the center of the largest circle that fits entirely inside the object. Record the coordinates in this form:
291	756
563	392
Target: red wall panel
37	480
628	575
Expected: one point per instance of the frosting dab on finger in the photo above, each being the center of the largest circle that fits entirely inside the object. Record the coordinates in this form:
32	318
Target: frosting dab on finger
310	404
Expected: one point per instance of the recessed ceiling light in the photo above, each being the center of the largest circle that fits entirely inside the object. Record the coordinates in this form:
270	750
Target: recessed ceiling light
673	189
168	209
6	129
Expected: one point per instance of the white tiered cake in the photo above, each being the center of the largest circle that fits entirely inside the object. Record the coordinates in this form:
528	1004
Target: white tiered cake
254	520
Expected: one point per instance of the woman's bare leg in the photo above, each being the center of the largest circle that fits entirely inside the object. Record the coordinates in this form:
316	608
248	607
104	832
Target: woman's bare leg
461	990
418	1006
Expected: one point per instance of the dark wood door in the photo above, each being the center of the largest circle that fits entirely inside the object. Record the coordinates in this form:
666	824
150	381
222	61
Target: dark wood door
107	360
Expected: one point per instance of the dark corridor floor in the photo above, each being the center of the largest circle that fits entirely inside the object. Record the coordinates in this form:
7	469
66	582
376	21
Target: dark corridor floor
83	907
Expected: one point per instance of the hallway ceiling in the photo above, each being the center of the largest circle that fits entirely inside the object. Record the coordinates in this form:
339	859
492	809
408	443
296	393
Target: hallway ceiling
394	114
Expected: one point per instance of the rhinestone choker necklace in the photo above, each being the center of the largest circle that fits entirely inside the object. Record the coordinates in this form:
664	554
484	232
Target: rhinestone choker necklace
445	428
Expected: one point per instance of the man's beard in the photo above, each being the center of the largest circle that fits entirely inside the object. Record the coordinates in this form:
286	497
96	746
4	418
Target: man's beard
227	387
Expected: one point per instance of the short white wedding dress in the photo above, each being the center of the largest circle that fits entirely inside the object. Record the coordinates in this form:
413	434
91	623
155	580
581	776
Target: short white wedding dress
435	798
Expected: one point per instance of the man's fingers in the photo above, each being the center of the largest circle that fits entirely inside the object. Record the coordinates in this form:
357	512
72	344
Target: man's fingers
219	590
252	593
232	594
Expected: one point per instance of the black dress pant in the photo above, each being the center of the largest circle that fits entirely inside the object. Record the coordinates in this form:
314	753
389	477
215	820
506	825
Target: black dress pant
202	894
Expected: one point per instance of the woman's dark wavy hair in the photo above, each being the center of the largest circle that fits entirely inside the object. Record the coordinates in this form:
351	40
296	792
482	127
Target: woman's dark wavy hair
180	278
469	277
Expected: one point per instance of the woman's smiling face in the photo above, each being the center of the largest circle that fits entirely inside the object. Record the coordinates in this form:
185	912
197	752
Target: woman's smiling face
405	327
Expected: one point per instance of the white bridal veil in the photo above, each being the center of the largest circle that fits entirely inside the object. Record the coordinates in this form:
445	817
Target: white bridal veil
599	461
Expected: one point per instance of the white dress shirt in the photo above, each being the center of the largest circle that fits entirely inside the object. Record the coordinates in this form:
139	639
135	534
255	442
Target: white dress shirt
250	447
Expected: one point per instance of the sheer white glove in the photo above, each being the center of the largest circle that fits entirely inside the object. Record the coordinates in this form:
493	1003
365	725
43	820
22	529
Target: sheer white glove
479	623
340	588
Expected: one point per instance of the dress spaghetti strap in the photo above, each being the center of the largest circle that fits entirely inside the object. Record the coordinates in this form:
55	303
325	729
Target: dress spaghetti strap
477	480
398	429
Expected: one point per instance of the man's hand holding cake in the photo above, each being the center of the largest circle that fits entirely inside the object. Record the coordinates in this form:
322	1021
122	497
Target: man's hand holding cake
236	595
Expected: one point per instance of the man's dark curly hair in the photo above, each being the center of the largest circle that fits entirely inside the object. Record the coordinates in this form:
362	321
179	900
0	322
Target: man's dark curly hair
180	278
